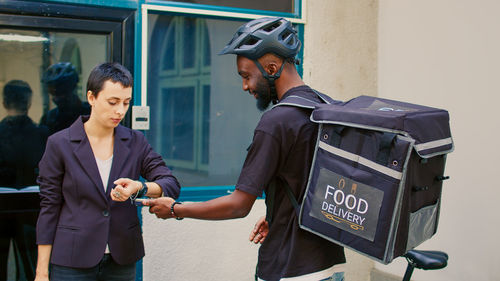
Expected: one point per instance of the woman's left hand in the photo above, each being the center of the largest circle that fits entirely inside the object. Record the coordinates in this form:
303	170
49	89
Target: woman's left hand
125	188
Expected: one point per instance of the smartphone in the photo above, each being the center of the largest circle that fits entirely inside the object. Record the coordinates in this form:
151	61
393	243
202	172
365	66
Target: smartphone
138	201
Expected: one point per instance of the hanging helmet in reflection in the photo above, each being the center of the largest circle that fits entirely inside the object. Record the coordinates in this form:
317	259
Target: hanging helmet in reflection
265	35
61	78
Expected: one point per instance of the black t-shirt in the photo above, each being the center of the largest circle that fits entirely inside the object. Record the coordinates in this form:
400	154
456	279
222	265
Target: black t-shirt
56	119
283	148
22	144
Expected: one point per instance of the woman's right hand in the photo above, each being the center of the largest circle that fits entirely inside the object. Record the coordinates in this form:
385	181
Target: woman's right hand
124	188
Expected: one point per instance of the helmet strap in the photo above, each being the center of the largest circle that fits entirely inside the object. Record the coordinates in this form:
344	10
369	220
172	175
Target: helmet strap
270	79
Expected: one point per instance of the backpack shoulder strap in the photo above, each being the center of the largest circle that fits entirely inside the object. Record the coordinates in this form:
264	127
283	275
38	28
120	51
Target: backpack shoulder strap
297	102
302	102
325	98
270	196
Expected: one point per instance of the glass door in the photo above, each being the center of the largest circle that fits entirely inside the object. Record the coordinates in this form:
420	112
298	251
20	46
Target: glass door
46	54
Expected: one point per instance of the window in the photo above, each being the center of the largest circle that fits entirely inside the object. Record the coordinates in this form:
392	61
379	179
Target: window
286	6
201	120
184	79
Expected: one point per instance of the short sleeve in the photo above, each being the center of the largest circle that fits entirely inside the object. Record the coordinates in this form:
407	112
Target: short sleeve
260	164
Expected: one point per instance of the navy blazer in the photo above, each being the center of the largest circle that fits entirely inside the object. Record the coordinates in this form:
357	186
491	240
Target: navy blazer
76	216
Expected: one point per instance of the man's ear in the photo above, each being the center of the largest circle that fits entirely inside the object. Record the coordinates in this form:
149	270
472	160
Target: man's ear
271	68
270	63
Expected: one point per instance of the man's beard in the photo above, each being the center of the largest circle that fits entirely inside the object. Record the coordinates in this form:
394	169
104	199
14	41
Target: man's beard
263	92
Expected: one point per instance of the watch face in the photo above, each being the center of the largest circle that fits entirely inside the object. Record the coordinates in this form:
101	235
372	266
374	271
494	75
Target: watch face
143	190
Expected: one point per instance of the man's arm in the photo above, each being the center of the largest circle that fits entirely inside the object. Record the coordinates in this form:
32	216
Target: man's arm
260	166
236	205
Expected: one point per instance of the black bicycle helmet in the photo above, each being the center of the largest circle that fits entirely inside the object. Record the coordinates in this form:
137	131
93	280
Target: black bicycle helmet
265	35
61	73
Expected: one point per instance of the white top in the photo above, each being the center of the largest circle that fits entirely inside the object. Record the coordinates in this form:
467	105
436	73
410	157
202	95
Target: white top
104	167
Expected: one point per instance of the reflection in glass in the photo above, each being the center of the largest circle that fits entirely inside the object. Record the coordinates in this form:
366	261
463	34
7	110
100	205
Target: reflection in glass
178	117
22	144
201	121
26	54
205	145
61	80
189	37
24	57
169	49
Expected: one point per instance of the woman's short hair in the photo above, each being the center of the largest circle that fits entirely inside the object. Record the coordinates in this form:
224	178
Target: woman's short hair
111	71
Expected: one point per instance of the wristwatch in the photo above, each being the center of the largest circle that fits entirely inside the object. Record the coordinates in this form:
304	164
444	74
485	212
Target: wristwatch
143	191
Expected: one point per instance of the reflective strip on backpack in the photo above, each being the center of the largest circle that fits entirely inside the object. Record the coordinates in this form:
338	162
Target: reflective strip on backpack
433	144
361	160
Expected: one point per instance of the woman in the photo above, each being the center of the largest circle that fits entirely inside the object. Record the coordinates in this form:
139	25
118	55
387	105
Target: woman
85	230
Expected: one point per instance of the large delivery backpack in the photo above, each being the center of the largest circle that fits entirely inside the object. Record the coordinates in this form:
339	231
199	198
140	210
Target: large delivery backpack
376	177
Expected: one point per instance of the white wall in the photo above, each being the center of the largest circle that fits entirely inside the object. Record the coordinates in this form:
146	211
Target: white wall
447	54
340	47
192	250
340	59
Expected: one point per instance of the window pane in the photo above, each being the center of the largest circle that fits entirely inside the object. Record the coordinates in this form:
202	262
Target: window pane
205	148
206	47
189	42
168	62
178	118
285	6
214	123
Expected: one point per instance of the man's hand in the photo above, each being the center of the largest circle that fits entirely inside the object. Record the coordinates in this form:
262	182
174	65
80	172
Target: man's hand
260	231
124	189
160	207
